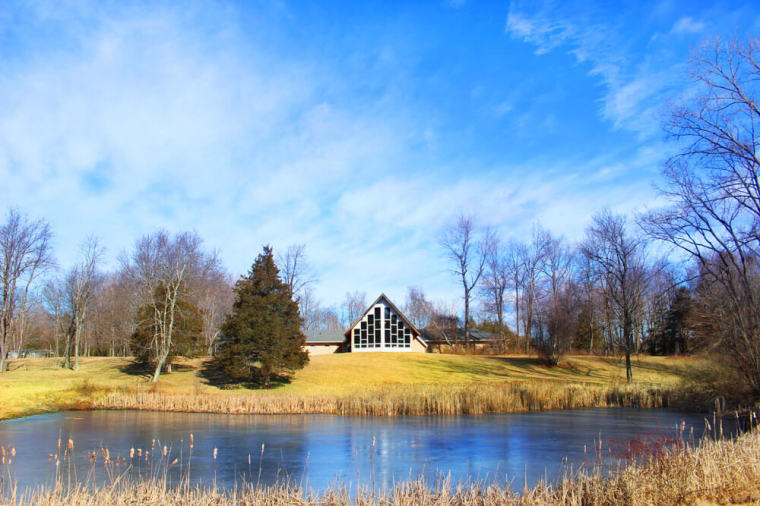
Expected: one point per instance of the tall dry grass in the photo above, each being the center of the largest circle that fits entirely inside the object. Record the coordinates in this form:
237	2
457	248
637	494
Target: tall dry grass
406	400
722	471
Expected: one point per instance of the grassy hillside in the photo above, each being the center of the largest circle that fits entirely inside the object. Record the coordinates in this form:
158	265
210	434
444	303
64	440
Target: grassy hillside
40	385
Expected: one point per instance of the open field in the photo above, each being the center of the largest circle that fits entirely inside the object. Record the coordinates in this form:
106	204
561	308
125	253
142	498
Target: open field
378	383
713	472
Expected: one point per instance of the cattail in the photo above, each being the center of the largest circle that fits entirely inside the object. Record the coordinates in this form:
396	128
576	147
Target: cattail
173	462
192	441
2	448
13	451
71	444
153	445
50	459
165	451
214	453
131	453
139	452
146	454
59	443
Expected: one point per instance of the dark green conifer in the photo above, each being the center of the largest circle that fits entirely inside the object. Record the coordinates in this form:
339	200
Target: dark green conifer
262	337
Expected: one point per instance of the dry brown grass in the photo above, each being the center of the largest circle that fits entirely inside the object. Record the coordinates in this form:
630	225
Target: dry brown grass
715	472
369	383
404	400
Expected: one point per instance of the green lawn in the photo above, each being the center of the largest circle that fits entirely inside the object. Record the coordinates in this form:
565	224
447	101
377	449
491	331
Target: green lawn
40	385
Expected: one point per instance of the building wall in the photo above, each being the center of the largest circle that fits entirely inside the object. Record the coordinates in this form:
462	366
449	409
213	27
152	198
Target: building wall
382	318
418	346
321	349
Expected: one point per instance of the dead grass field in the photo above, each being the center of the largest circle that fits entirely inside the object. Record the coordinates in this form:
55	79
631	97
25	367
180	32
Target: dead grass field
395	382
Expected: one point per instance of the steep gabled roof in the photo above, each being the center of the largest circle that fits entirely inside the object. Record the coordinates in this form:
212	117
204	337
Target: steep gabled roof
393	306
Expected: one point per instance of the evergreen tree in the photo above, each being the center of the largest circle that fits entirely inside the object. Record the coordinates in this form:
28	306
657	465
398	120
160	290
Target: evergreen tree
188	338
262	337
671	336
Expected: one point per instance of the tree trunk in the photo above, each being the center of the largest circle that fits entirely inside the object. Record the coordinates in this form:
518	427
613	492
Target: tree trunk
159	366
67	350
76	349
466	320
628	339
3	341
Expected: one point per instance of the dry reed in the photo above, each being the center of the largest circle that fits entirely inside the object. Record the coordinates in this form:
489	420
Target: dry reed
404	400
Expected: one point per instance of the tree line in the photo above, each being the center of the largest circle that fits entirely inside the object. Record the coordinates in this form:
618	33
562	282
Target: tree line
611	291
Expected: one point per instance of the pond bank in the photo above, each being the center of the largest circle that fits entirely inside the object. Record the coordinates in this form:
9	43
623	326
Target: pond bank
376	384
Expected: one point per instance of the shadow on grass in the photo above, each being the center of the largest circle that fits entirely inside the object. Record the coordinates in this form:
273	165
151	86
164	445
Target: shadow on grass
213	375
143	370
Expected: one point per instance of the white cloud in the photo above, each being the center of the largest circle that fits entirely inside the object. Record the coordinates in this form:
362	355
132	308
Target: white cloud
687	25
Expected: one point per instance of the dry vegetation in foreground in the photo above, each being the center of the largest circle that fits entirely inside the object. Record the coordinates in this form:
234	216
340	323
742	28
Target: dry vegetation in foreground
369	384
407	400
723	471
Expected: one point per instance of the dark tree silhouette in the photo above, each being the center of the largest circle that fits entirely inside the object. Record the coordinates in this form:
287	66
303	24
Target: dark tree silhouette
262	337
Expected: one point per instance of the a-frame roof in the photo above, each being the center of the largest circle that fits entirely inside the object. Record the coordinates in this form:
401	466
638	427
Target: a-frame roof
393	306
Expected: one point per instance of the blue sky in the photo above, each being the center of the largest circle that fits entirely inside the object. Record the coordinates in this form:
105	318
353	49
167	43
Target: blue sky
357	128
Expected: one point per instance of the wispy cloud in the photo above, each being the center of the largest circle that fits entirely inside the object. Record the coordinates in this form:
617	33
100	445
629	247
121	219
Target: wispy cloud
636	82
687	25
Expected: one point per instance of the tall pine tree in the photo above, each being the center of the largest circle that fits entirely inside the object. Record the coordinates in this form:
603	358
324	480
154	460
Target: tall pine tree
262	337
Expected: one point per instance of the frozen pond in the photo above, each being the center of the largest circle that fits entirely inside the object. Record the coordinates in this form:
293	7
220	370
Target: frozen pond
319	450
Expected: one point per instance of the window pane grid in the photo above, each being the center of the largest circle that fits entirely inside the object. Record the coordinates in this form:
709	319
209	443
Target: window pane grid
382	327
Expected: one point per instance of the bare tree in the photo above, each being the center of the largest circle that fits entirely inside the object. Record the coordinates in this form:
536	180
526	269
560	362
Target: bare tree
419	310
557	314
24	253
80	286
514	260
589	290
354	305
713	187
497	279
308	306
165	268
619	258
54	297
468	256
295	269
215	297
532	263
114	308
328	319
